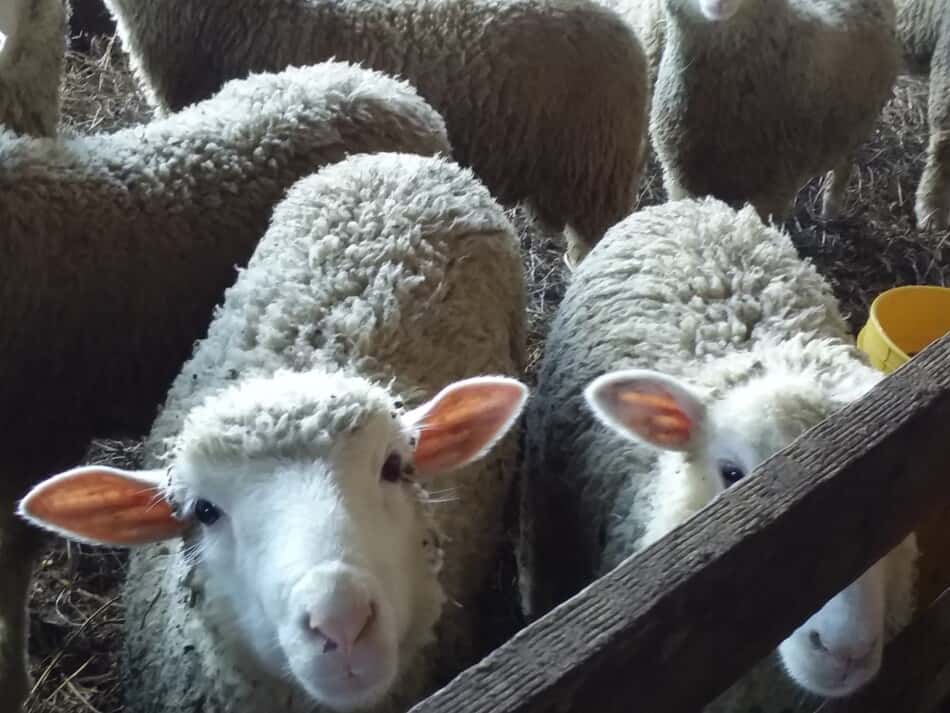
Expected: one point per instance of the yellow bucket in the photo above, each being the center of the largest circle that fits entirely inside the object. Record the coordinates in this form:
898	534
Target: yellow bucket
902	322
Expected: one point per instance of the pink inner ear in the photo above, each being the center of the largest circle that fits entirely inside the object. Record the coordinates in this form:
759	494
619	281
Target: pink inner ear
655	414
102	506
464	422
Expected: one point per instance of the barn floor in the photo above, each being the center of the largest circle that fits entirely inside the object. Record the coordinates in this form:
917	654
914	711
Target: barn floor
76	616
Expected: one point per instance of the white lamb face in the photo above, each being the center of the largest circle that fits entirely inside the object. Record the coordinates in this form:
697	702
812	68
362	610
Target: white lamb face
328	561
709	444
296	499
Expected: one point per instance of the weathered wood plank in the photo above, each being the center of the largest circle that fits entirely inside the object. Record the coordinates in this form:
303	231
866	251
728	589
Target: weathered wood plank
670	628
915	677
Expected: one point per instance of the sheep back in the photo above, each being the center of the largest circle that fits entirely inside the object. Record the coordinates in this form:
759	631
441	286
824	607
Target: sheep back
544	99
116	247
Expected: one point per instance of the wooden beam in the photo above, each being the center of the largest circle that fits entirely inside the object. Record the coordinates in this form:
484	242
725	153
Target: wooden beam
673	626
915	677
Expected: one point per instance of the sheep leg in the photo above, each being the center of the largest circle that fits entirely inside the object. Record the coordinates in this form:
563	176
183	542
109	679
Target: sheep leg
19	544
674	191
836	185
933	193
577	249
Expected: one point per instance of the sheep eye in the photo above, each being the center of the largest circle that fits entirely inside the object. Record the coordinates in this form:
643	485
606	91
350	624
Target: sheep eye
731	473
206	512
391	471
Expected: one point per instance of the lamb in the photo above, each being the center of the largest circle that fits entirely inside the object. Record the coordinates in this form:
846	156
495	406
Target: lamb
753	98
544	99
368	349
30	74
923	27
115	248
697	334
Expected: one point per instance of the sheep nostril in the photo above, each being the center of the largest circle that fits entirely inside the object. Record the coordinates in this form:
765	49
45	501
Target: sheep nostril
815	638
329	645
342	627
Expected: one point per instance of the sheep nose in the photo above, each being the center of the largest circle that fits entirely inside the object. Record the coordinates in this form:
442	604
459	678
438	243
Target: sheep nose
341	626
851	655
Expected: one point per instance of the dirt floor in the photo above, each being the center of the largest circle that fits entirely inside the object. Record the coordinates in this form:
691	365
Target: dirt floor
76	617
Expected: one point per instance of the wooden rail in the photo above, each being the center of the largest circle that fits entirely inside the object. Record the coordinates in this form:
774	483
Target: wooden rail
669	629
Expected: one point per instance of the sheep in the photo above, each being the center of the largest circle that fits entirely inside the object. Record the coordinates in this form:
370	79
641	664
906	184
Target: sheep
753	98
923	27
544	99
698	334
344	371
30	74
115	248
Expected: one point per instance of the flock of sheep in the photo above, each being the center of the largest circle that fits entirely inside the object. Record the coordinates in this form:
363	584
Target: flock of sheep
328	480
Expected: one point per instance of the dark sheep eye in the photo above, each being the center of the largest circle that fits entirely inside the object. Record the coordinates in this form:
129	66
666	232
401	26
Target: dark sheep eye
731	473
206	512
392	469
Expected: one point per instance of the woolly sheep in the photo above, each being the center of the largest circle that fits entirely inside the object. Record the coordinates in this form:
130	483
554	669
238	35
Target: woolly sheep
30	74
753	98
699	335
115	248
924	30
544	99
384	282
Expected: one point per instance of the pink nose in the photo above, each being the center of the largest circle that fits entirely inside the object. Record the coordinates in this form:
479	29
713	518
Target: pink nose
341	627
854	655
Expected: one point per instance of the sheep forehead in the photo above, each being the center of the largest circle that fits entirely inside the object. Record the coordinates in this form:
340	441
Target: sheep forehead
769	412
297	416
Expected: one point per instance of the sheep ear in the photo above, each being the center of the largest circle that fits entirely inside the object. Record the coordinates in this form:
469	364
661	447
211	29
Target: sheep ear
463	421
103	506
649	407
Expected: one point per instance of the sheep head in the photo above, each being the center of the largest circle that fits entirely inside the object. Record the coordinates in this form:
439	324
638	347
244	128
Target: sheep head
710	438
